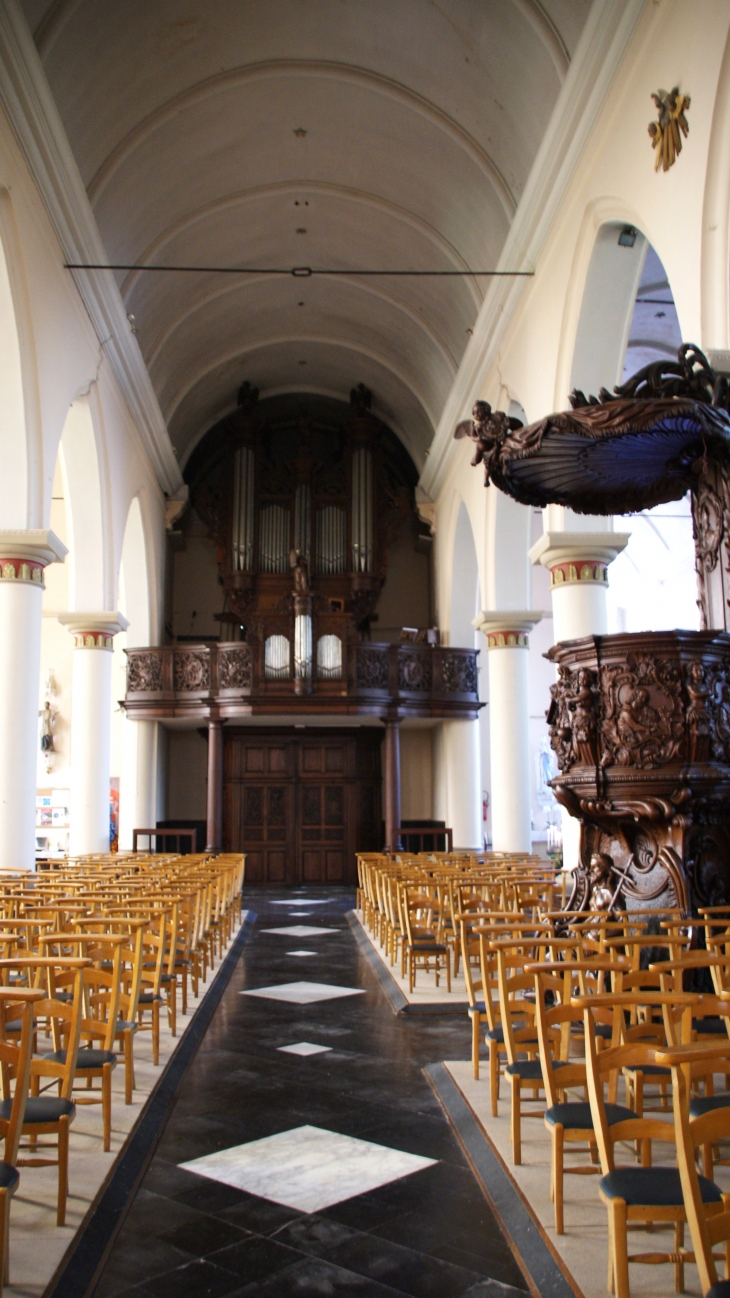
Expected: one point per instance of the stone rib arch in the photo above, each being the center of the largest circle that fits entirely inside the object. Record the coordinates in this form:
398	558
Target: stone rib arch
88	584
304	68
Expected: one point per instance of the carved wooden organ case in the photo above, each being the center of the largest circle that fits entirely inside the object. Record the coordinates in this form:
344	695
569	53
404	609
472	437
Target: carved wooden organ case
302	496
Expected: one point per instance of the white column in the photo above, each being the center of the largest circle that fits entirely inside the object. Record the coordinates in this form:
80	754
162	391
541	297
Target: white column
577	563
509	726
138	784
463	782
23	556
90	727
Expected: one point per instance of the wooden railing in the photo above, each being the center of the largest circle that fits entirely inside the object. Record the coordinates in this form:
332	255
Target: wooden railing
190	678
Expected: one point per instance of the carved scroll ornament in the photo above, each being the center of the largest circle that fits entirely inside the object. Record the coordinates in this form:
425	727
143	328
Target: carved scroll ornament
373	668
234	668
414	671
459	674
191	671
144	672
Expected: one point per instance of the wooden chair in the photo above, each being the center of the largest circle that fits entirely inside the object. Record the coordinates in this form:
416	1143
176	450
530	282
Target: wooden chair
15	1057
50	1114
131	983
102	989
470	952
568	1121
634	1196
517	1014
708	1211
424	945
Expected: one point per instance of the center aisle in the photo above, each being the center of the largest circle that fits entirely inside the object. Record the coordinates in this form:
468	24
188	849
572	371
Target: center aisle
326	1165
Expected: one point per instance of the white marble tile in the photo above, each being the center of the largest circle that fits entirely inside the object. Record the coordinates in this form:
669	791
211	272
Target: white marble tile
304	993
303	1048
300	930
307	1168
302	953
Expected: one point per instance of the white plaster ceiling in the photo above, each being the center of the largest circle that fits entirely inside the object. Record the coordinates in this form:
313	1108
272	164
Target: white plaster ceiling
422	120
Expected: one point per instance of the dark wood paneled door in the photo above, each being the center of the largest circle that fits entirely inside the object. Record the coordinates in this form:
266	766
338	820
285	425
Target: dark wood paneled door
300	806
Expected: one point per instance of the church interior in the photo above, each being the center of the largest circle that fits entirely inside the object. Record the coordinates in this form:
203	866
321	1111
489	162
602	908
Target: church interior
365	633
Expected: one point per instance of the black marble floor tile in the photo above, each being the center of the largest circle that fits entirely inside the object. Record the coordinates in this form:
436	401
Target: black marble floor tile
255	1258
135	1259
430	1234
313	1278
200	1279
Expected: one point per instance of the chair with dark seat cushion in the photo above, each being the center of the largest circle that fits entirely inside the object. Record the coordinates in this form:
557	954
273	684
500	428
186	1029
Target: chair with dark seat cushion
577	1114
699	1125
41	1109
53	1114
15	1054
661	1187
636	1196
568	1121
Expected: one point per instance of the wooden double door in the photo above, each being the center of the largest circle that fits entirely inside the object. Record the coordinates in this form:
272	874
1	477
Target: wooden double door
301	805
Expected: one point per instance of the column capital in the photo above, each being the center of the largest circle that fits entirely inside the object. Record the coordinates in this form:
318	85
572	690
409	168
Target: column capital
25	552
578	556
507	628
93	630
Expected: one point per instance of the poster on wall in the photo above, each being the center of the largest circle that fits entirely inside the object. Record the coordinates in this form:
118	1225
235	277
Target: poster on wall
114	814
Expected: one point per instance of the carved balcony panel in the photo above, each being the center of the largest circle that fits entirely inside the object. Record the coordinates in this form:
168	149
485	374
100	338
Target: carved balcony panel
640	726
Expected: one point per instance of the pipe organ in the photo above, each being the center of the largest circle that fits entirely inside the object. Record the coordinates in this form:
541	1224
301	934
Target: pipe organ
302	497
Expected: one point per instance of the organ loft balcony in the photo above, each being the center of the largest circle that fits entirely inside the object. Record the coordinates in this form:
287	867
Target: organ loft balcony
230	678
304	510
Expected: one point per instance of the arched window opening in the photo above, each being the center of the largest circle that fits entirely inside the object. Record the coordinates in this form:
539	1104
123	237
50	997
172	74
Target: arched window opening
652	585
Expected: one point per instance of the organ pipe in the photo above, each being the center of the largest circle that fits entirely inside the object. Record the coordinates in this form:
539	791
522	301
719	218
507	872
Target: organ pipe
331	539
329	657
303	520
243	511
274	539
362	511
277	652
302	646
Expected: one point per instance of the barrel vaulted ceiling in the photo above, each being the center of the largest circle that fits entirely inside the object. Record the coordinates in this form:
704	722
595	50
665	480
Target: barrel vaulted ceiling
326	133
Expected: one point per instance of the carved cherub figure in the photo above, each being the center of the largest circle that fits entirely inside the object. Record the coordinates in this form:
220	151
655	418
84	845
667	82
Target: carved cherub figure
602	893
489	430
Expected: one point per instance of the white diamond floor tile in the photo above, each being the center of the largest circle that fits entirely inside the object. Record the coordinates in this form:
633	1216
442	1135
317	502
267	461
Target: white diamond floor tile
304	993
303	1048
304	901
300	930
307	1168
302	952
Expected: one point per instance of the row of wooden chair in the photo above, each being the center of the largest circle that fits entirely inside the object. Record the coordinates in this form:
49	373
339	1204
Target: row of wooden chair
598	1003
104	946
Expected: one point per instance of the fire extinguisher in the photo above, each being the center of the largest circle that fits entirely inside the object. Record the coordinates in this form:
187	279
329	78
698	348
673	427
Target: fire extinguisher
485	805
